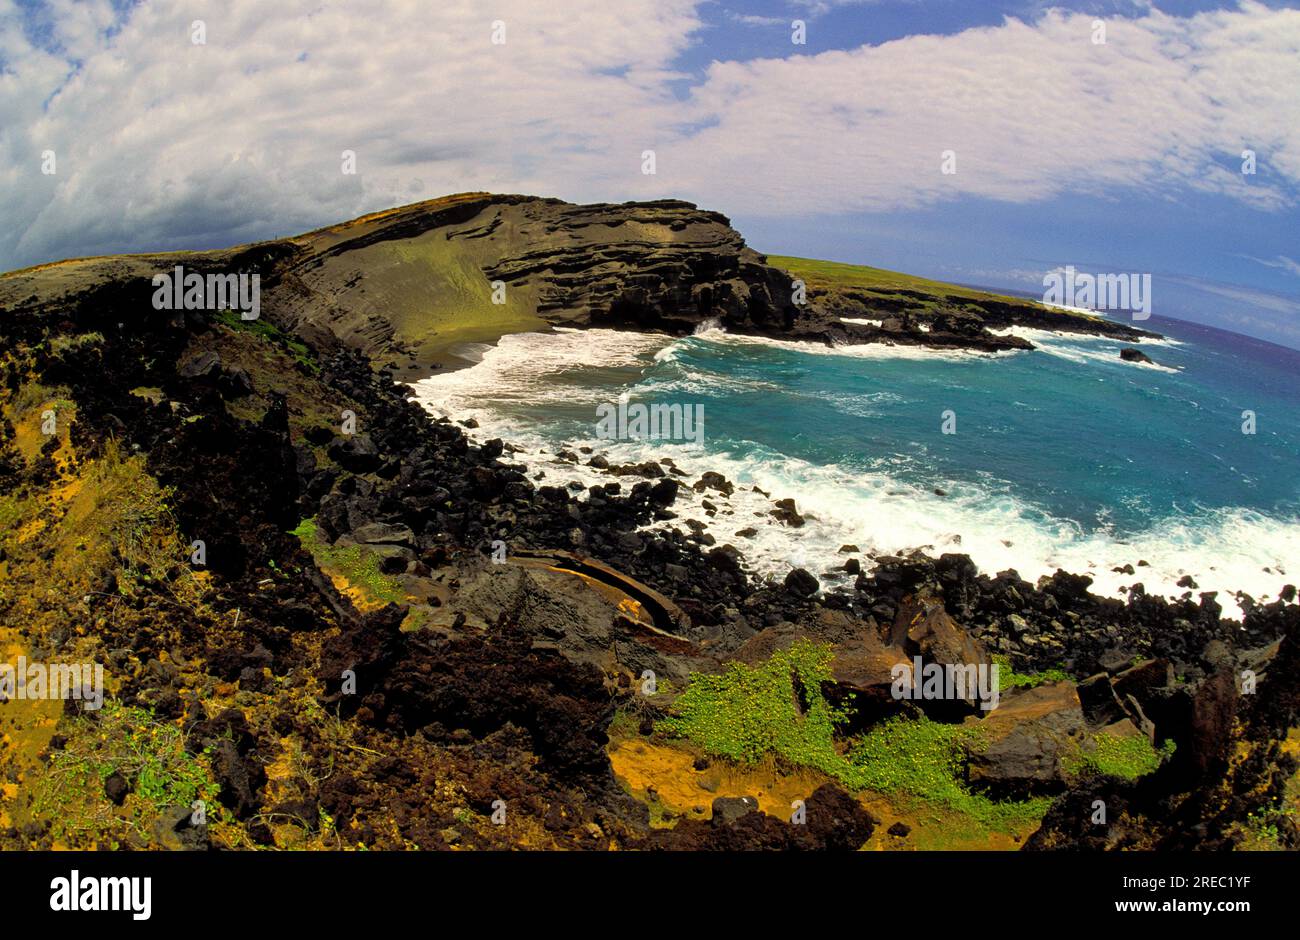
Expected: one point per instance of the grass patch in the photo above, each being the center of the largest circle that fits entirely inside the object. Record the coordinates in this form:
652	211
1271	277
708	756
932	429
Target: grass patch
1127	757
833	274
925	759
1008	678
122	513
360	568
777	707
33	395
148	753
263	329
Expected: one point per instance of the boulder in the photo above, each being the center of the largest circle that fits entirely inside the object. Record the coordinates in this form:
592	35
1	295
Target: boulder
383	533
356	453
664	493
1101	706
786	513
727	809
714	481
801	582
923	627
1021	744
204	365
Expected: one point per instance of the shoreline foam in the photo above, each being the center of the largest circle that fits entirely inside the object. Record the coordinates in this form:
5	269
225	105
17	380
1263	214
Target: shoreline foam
880	514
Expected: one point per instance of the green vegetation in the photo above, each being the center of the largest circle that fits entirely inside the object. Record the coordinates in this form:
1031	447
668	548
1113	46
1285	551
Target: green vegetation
354	563
1263	827
904	292
833	274
126	517
747	711
836	274
924	759
1008	678
1127	757
11	510
263	329
149	754
433	290
66	341
33	395
778	707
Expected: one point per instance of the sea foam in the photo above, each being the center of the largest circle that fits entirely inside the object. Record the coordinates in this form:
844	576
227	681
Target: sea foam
1224	550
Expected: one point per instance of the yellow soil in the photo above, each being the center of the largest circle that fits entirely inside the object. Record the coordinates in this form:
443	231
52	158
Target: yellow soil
360	599
26	726
683	791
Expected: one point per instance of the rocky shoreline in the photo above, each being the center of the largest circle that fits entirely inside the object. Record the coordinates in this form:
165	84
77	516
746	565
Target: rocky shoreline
398	628
1169	670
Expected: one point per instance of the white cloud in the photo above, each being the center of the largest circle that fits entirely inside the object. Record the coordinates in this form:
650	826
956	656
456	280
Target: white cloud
1247	296
164	144
749	19
1031	110
1289	265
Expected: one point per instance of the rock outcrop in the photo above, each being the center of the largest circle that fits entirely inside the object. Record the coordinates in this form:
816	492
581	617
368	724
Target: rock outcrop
478	681
408	285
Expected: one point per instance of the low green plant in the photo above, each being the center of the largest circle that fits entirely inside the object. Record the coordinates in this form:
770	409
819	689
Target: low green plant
32	395
296	348
778	707
127	740
353	562
1263	827
1008	678
1127	757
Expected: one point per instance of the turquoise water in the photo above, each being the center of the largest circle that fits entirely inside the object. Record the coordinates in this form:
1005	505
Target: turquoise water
1064	456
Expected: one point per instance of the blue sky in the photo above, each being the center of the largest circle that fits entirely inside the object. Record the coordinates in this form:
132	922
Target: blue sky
1122	156
1206	253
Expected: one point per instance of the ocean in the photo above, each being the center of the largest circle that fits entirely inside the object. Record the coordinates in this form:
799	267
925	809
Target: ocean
1061	457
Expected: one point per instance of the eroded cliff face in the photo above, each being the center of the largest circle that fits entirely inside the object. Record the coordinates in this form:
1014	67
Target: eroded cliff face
660	265
408	285
410	282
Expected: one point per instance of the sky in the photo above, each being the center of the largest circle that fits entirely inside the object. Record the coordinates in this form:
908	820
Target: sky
1103	134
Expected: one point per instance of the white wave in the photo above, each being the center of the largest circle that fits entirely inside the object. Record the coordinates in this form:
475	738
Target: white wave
1224	550
530	368
1086	311
856	351
1037	334
867	405
1082	348
1156	366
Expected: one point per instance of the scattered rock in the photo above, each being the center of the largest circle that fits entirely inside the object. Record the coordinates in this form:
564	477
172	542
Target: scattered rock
786	513
801	582
116	788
